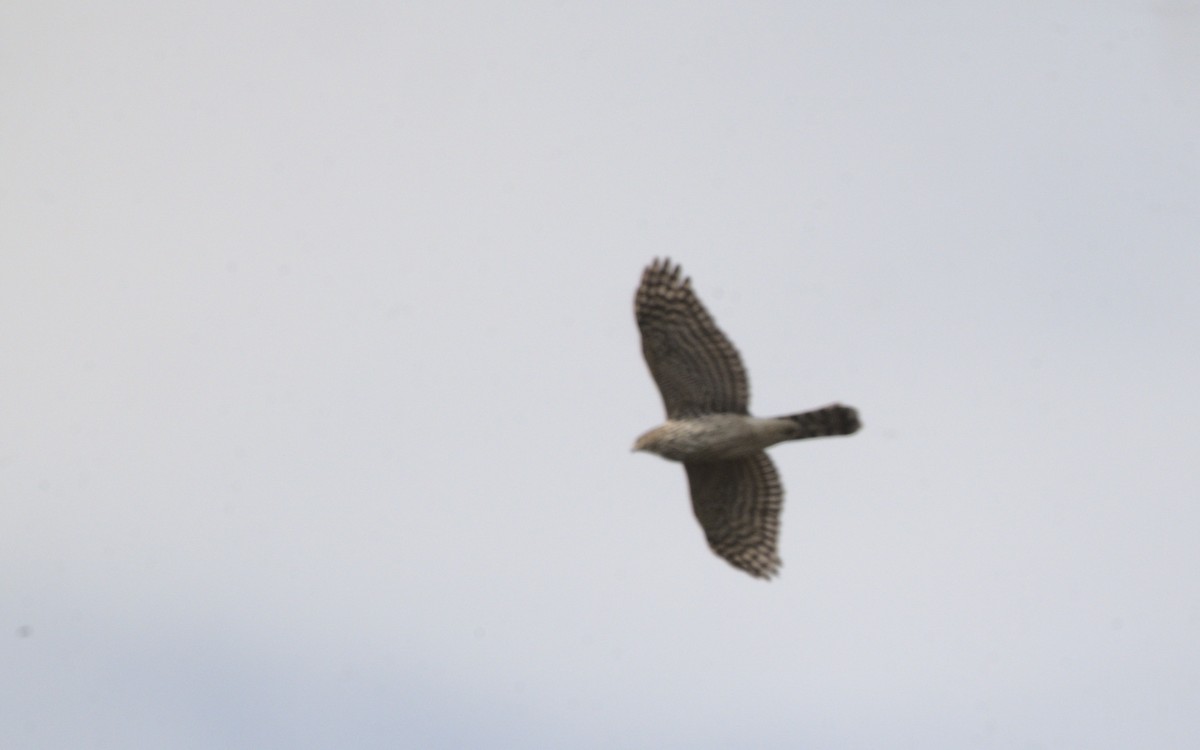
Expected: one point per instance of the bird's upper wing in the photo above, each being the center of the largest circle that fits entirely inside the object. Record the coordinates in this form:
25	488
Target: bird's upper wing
697	369
738	503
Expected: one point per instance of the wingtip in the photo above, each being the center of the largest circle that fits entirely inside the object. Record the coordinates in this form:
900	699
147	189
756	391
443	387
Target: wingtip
762	569
664	266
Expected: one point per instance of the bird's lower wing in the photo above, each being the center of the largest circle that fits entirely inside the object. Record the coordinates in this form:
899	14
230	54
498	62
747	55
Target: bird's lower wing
738	503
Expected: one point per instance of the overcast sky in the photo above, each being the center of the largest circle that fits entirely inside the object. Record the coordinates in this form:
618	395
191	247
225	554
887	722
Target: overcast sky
320	374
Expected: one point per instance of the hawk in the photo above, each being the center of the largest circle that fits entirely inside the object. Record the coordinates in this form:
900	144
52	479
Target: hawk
736	494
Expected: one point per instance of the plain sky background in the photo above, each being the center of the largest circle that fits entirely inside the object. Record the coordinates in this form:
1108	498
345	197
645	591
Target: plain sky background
320	373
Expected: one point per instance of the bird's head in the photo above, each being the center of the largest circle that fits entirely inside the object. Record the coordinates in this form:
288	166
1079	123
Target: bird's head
642	443
651	441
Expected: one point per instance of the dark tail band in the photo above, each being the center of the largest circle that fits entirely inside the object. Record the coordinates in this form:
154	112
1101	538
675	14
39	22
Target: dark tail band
834	419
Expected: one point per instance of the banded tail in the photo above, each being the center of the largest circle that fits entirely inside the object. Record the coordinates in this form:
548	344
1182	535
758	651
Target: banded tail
834	419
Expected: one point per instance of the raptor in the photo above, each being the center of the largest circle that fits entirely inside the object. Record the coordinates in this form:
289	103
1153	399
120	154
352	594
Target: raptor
736	493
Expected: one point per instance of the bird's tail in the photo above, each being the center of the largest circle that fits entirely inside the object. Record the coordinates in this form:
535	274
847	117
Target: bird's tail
834	419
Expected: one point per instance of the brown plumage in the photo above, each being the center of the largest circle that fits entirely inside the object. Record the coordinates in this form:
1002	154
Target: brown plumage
736	493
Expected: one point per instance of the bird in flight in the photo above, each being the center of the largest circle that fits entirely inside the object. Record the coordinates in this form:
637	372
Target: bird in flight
736	493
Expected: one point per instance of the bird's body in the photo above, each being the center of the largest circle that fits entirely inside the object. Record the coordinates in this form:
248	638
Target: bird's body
712	437
736	494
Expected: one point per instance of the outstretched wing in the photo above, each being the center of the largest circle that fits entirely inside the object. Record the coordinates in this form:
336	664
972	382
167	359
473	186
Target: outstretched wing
697	369
738	503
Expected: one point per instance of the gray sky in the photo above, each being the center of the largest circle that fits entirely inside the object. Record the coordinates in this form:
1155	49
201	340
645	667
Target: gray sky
321	376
